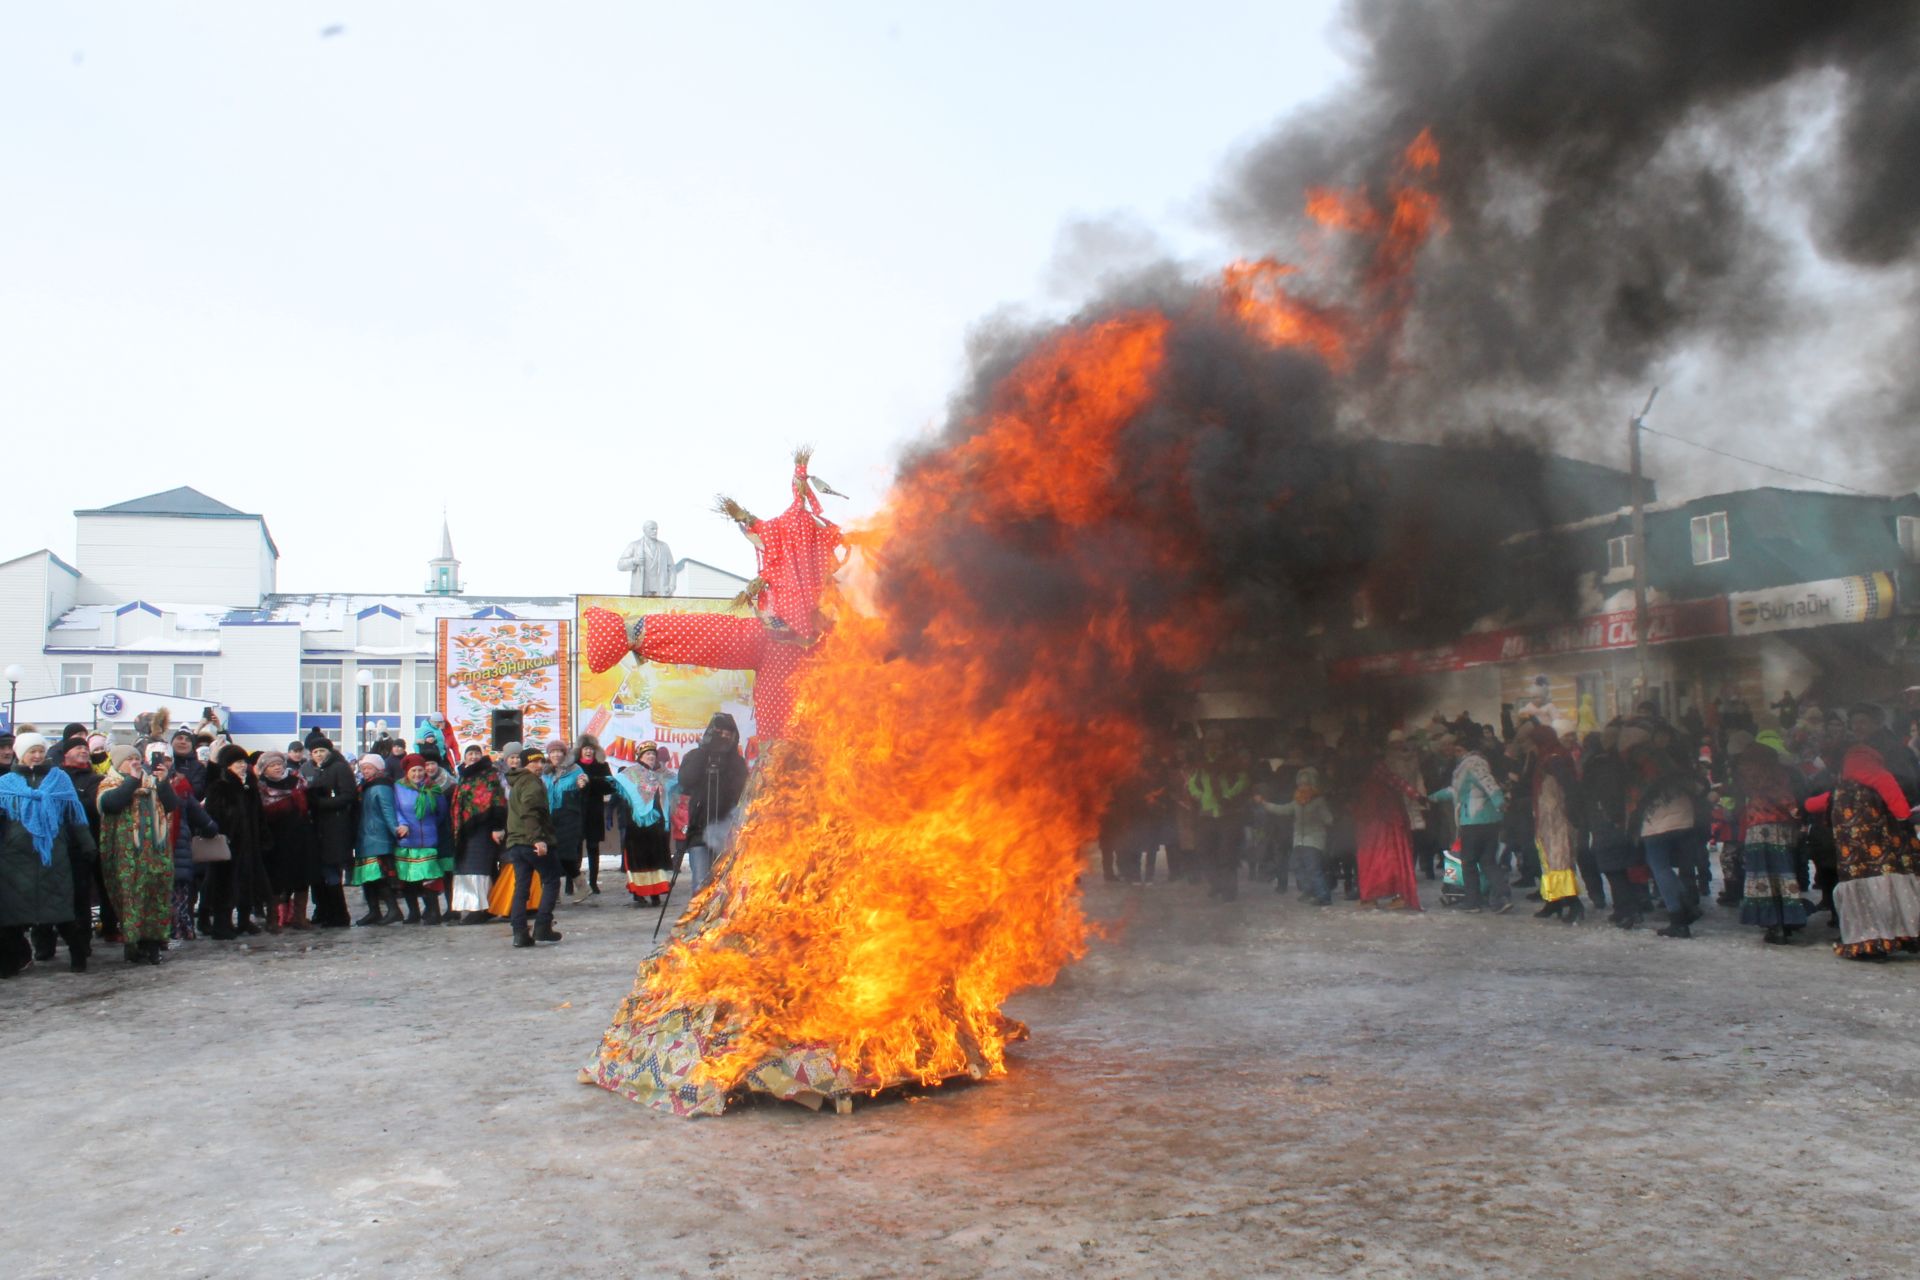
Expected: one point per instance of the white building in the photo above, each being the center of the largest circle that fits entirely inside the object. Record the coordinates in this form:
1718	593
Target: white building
171	601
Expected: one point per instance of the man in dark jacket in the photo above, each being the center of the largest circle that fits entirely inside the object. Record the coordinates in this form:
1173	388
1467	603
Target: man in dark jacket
712	777
530	848
332	796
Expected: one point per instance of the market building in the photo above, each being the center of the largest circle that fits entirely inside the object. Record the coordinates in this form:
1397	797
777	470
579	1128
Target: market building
172	600
1752	595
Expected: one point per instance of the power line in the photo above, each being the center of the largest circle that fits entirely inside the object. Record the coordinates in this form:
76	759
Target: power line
1755	462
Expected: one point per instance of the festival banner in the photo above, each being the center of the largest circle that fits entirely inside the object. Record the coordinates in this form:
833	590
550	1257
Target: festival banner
1681	620
506	664
634	702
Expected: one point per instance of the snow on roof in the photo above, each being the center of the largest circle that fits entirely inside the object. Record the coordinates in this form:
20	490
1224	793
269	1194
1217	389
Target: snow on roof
331	611
186	617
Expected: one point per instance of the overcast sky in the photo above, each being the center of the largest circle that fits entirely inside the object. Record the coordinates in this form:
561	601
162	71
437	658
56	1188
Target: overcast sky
562	269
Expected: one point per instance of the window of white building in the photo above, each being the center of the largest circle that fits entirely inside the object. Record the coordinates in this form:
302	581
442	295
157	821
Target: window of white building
1710	538
189	679
76	677
1620	554
383	695
133	675
320	686
426	689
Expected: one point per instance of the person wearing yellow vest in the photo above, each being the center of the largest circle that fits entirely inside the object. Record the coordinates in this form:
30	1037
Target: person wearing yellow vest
1219	792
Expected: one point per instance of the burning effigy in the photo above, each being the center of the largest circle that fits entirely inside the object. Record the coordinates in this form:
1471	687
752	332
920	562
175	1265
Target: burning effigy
911	846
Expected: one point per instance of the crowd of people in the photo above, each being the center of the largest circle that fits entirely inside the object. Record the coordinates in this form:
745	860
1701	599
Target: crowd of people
182	836
1811	813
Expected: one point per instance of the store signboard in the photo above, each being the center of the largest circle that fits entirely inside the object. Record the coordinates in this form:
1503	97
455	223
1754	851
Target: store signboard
1862	597
1666	623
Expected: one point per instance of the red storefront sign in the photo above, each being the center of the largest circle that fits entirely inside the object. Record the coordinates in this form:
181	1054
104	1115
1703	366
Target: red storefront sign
1683	620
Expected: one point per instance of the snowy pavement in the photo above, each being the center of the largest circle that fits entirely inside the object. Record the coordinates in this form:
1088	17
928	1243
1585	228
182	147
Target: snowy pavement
1257	1088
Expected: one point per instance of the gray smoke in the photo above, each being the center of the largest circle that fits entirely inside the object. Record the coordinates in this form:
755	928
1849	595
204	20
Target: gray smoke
1632	187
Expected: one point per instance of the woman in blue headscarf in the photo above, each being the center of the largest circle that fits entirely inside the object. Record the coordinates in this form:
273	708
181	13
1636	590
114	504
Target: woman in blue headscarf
47	854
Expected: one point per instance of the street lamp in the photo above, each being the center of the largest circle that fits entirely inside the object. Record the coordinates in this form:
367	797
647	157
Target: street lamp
15	673
364	679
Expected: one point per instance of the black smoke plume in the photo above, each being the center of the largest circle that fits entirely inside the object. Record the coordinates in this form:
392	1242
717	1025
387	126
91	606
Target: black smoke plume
1608	177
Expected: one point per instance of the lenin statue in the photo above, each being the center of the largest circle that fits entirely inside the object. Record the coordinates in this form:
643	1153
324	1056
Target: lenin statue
650	561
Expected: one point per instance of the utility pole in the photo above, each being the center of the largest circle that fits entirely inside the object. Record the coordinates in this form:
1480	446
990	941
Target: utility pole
1639	499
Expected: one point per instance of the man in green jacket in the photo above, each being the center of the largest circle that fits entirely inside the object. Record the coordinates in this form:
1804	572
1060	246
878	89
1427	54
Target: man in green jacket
530	847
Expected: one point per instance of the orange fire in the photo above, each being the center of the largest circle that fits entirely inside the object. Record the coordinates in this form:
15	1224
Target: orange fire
911	855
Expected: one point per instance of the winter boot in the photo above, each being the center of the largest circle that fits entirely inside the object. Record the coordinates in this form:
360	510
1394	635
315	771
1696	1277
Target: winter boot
545	933
374	903
297	912
521	938
433	908
390	900
1575	910
1678	928
413	904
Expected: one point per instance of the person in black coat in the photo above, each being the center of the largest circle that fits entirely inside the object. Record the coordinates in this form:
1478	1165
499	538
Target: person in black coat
72	757
593	806
237	890
332	796
37	892
712	776
187	763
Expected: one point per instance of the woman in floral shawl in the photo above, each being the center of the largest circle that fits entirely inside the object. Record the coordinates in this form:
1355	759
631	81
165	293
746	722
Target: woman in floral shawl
1878	896
645	791
479	808
136	854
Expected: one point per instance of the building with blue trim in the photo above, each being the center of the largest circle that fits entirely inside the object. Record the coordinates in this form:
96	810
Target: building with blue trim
172	601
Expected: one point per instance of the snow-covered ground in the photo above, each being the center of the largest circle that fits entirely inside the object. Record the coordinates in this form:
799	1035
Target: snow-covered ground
1257	1089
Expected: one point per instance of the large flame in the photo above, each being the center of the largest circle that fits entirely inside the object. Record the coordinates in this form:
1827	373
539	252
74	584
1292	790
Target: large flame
911	857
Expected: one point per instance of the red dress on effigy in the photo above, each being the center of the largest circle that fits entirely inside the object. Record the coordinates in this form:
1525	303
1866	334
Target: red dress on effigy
1385	852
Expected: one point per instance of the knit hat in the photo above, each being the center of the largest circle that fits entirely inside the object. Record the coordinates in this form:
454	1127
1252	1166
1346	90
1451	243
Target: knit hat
412	762
231	754
65	745
371	759
648	745
117	756
317	739
6	738
511	751
270	758
96	742
74	730
296	745
556	742
531	754
182	732
474	749
27	742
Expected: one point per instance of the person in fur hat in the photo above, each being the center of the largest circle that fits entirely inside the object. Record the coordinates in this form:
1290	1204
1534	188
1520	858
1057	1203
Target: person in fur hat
237	890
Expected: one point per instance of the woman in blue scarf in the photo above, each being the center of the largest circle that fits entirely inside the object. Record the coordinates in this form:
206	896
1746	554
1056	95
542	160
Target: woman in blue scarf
46	858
